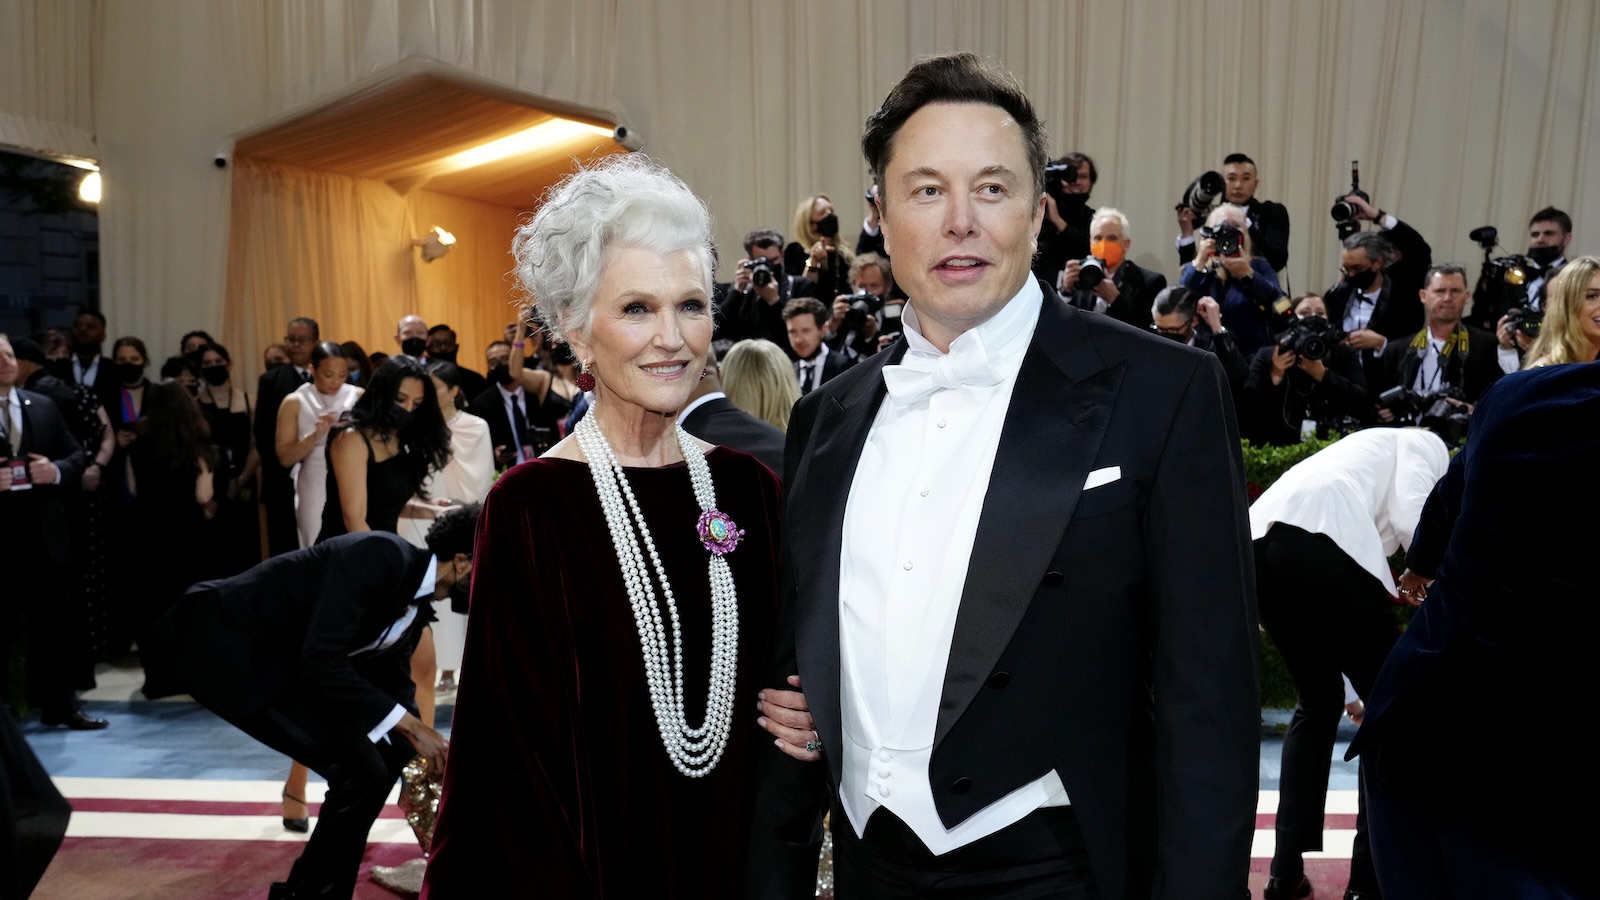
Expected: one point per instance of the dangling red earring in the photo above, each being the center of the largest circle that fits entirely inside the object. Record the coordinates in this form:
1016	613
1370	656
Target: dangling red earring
585	382
704	374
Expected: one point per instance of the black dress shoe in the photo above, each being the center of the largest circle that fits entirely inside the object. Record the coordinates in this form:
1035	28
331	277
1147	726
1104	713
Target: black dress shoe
1283	889
76	720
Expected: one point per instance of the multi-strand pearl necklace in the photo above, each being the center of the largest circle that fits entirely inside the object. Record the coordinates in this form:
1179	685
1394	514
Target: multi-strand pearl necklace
695	751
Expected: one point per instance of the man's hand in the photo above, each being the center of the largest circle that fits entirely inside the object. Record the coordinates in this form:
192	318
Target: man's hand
1511	337
1185	222
785	716
41	470
1365	339
1204	249
1069	277
1107	291
1237	266
504	456
841	308
1413	587
427	742
1314	367
741	278
1210	312
1356	710
5	477
1364	210
1385	415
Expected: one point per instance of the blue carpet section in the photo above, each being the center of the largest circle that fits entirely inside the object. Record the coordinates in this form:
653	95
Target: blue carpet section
1342	777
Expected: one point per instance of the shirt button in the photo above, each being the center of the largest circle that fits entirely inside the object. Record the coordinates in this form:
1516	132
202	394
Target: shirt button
907	566
885	773
924	492
883	756
883	790
942	423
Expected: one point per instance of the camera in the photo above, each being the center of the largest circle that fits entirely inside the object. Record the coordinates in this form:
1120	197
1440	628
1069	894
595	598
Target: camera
1502	284
862	304
763	271
1058	175
889	327
1202	194
1432	411
1525	319
1229	240
1344	212
1310	338
1090	273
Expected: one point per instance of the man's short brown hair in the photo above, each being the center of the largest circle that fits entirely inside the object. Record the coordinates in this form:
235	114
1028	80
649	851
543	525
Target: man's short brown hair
803	306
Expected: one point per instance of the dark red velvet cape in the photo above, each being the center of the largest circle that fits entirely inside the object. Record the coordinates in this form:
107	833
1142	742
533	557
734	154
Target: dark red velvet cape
558	784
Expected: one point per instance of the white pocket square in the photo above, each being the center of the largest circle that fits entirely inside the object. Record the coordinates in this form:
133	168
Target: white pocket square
1102	476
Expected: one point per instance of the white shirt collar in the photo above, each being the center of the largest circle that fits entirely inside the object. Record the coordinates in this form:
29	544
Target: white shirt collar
513	392
430	579
698	402
1004	337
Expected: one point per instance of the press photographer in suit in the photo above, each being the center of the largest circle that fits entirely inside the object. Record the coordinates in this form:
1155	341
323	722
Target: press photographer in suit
1023	622
1122	289
1268	220
1446	353
1380	274
1308	375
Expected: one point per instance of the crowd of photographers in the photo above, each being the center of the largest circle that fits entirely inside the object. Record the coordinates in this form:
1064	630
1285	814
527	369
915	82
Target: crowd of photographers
1398	339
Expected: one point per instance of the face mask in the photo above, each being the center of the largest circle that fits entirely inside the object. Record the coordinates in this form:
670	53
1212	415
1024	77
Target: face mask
414	346
1361	281
353	377
500	374
828	226
397	418
129	373
276	365
60	368
460	592
1544	256
448	356
216	376
1109	252
1075	200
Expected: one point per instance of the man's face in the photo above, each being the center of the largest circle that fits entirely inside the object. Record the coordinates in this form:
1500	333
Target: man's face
1354	263
770	252
1547	234
1241	180
1110	230
959	214
441	342
497	355
273	356
192	344
1081	185
1176	325
411	327
299	341
8	368
1445	298
805	335
87	331
872	281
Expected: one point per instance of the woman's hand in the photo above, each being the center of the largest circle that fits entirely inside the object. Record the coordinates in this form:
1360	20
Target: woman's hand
125	437
786	716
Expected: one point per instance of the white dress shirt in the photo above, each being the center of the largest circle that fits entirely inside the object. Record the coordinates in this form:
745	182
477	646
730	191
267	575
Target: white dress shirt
810	370
909	526
1365	491
82	375
698	402
506	396
392	634
1430	375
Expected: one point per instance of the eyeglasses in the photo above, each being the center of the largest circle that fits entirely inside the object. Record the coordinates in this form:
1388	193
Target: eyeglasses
1180	330
293	339
1347	271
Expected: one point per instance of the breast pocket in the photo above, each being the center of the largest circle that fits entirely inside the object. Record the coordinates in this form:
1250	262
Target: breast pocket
1105	499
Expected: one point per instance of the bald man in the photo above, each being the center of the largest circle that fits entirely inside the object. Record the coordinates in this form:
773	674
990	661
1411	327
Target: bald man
411	333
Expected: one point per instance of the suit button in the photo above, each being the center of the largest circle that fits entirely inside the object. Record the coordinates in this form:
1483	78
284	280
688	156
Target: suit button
1053	579
999	679
961	785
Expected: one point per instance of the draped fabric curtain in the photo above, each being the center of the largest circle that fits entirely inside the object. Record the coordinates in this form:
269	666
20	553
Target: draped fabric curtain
1461	112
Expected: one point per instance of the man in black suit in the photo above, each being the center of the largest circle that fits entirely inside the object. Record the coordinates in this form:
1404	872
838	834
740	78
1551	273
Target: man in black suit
815	363
442	345
1380	274
1064	233
43	462
1268	220
753	306
1447	352
711	416
88	339
1127	289
310	654
1018	586
1497	631
277	491
504	405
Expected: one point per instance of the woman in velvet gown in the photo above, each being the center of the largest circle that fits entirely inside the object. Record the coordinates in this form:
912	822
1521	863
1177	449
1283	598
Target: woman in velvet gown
559	782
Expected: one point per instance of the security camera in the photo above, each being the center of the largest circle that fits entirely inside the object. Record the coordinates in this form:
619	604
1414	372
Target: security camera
628	138
220	160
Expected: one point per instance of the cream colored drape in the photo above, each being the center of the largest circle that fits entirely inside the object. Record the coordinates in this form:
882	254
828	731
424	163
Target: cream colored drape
1462	112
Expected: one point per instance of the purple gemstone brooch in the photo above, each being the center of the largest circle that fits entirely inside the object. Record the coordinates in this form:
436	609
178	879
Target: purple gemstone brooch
718	532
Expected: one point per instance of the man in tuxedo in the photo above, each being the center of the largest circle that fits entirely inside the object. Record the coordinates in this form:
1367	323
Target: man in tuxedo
1268	220
1019	588
278	382
310	654
711	416
88	339
1447	352
411	336
815	363
442	346
504	405
1380	272
1497	631
1128	289
42	463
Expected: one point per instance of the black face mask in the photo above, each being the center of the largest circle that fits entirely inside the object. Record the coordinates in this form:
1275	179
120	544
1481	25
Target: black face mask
1074	200
828	226
397	418
1361	281
216	376
60	368
1544	256
414	346
276	365
129	373
460	593
194	356
448	356
500	374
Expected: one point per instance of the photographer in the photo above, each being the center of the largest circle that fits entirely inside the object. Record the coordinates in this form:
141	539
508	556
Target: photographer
1447	353
1549	233
1308	375
856	317
1188	318
1268	221
1245	286
820	265
1121	289
1380	274
1064	234
754	305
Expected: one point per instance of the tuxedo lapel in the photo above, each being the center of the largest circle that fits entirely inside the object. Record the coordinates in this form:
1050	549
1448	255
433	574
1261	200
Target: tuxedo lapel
1051	438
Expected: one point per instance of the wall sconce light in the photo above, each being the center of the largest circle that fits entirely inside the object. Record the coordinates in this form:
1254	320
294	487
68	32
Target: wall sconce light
89	188
436	244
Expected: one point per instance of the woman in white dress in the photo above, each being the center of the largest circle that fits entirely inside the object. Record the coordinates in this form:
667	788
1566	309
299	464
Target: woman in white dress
304	419
465	479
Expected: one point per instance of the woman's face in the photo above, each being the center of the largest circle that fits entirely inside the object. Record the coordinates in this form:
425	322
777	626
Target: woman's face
211	359
1589	316
409	397
1311	306
128	354
821	207
329	374
650	329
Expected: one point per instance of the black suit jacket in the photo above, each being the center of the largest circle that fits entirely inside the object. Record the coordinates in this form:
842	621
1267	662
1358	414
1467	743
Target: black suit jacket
1269	234
40	513
721	422
274	385
472	384
1398	313
1123	616
294	620
490	406
1473	371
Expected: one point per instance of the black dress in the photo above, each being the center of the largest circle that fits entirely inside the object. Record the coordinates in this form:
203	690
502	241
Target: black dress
169	516
390	484
236	528
558	781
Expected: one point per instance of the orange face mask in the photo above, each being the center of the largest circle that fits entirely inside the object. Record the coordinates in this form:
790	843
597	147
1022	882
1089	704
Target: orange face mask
1108	252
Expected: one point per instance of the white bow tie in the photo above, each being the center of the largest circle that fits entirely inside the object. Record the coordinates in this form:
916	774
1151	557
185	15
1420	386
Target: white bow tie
920	375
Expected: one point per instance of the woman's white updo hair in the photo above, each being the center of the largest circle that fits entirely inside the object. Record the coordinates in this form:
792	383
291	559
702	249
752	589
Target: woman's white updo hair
626	200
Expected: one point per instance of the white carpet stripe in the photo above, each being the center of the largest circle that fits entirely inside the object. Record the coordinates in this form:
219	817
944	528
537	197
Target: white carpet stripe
171	826
1336	844
1340	803
216	791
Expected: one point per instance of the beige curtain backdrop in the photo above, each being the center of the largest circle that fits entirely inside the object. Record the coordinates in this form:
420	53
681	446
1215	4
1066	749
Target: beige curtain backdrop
1462	112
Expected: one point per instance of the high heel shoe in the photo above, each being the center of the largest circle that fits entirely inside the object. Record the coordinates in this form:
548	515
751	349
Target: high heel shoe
300	825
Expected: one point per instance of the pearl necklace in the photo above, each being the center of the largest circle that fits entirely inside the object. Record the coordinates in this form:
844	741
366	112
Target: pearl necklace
694	751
